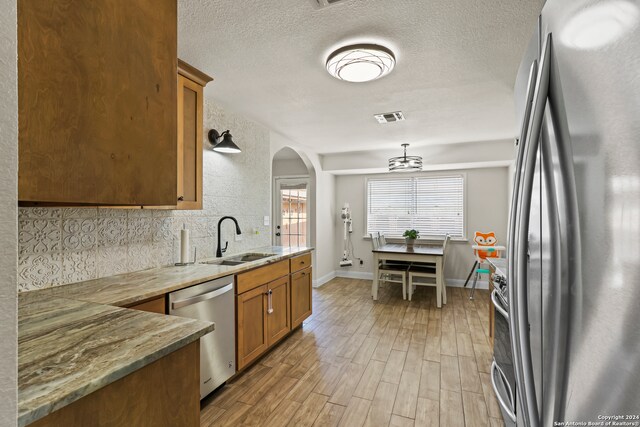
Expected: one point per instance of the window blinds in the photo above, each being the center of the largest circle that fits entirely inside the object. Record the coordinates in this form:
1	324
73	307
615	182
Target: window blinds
431	205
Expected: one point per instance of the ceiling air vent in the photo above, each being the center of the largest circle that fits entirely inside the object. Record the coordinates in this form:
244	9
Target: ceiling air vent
319	4
396	116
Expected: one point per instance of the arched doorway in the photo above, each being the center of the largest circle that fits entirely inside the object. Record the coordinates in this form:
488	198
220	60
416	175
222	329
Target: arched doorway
292	200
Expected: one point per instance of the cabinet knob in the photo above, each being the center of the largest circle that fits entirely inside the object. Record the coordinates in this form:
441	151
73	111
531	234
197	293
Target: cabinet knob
181	198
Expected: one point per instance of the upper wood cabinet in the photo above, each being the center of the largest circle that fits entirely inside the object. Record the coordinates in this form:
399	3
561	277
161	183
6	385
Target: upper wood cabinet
97	102
191	83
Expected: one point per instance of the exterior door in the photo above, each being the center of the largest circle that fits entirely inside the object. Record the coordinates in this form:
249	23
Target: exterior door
291	225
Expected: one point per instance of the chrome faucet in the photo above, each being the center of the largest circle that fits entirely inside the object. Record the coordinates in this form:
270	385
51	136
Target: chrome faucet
220	250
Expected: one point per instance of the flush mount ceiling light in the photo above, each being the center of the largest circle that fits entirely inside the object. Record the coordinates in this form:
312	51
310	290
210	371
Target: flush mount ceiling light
223	142
601	24
405	163
360	62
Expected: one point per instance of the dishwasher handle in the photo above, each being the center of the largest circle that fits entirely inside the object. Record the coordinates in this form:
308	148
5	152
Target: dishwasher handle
202	297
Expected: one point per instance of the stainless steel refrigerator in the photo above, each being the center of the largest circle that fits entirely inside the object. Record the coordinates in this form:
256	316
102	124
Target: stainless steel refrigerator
574	232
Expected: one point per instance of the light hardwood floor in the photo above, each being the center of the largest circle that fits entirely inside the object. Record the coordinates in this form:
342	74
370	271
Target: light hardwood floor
359	362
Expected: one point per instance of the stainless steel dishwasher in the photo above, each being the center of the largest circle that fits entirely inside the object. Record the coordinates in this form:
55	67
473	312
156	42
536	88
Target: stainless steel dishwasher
212	301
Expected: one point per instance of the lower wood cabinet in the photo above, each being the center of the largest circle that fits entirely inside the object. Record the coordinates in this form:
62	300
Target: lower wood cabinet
252	338
301	301
270	302
278	324
165	393
156	305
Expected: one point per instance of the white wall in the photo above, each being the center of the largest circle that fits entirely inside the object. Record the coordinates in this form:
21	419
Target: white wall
8	213
59	246
289	167
486	208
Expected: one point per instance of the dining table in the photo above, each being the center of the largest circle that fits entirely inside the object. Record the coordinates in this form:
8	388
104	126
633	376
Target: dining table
427	254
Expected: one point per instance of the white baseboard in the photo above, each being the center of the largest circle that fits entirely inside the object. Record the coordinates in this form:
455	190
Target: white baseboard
354	274
458	283
324	279
364	275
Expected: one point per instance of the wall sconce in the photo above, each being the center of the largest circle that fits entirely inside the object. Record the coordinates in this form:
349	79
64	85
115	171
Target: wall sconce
223	142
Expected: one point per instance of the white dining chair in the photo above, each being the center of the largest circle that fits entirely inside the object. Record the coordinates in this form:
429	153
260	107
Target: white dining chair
428	271
375	239
390	272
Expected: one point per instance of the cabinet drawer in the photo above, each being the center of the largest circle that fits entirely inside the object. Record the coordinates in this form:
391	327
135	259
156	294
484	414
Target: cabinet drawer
300	262
260	276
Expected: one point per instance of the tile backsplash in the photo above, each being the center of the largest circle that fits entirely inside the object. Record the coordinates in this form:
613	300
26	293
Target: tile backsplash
66	245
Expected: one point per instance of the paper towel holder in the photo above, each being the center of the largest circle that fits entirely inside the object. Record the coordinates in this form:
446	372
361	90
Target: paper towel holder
195	259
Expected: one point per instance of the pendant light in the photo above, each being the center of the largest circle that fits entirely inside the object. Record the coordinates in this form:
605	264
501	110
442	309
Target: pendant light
405	163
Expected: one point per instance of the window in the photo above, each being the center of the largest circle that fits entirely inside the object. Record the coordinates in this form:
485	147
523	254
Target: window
432	205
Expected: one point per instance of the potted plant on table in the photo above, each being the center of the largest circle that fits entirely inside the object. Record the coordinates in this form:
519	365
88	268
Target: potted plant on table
410	236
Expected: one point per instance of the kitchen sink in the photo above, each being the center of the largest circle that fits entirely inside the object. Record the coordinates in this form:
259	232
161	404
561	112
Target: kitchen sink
227	262
240	259
253	257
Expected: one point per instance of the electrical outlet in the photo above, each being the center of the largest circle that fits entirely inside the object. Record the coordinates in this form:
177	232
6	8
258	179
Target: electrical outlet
266	220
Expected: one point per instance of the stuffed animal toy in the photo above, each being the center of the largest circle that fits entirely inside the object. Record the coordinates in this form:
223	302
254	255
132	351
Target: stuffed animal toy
486	239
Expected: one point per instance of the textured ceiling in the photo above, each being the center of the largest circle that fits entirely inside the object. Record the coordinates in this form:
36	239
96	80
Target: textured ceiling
456	66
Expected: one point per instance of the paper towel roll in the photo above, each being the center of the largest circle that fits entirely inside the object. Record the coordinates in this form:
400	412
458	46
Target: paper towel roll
184	246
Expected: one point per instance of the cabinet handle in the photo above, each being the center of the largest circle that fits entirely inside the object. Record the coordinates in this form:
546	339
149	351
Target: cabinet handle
270	302
181	198
304	273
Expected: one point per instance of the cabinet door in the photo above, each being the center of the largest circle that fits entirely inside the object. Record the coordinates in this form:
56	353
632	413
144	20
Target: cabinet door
252	325
278	324
156	305
189	144
301	302
97	102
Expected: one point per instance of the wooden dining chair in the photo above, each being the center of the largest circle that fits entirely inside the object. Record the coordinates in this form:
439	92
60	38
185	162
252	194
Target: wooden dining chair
428	271
390	272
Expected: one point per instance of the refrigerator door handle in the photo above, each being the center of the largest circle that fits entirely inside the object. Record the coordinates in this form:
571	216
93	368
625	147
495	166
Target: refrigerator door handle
508	408
521	344
515	213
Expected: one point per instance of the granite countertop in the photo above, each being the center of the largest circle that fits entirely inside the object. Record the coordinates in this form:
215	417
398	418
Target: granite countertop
131	288
68	349
500	264
72	341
